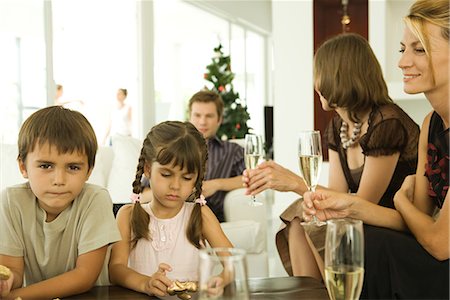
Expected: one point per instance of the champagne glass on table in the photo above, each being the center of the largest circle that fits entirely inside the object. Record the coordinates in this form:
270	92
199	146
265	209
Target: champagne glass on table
344	259
253	153
310	162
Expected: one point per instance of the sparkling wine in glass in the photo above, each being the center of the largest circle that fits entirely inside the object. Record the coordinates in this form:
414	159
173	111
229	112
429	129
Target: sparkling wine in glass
253	154
310	162
344	259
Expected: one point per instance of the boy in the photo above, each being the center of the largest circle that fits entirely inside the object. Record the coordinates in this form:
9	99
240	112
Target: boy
55	228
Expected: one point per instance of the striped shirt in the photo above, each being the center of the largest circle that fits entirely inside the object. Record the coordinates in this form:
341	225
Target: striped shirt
225	160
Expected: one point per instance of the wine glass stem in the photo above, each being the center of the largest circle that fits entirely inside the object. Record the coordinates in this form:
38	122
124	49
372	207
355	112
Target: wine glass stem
314	218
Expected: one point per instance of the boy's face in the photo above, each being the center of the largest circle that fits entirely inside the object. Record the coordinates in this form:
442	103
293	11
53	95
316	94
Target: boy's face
56	179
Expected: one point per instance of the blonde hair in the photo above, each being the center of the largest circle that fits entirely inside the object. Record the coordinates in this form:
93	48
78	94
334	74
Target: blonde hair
180	144
435	12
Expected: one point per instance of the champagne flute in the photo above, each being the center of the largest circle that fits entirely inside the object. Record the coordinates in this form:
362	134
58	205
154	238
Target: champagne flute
253	154
344	258
310	162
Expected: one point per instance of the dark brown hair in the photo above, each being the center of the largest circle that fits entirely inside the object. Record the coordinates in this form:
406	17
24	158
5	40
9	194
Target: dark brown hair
348	75
179	144
207	96
66	129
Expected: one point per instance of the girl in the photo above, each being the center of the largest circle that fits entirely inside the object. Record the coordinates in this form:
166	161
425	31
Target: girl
161	239
415	264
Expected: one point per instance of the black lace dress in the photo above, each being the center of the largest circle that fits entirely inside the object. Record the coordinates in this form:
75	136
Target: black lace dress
397	266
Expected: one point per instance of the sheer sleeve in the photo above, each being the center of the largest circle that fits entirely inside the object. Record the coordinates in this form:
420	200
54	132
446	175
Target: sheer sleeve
385	138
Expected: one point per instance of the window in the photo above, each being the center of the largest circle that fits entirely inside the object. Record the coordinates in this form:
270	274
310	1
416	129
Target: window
22	72
185	37
94	53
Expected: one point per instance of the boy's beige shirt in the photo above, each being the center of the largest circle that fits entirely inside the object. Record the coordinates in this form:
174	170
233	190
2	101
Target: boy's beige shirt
50	249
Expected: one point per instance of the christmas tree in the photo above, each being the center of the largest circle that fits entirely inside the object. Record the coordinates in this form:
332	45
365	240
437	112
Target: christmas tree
235	115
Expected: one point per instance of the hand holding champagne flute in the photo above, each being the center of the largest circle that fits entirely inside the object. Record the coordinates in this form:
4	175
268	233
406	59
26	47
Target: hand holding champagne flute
253	154
310	162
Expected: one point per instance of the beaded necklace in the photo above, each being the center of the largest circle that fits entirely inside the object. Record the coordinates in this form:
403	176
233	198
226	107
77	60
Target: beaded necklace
345	140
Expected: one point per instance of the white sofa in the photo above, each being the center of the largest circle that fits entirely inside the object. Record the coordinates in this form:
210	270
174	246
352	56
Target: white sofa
115	169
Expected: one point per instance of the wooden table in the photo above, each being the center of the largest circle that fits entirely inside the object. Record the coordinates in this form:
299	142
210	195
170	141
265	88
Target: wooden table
282	288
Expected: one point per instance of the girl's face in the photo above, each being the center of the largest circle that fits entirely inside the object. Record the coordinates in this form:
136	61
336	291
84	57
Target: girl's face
417	73
171	186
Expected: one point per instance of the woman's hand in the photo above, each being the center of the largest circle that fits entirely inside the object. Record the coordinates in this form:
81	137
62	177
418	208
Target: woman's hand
406	191
158	283
327	205
270	175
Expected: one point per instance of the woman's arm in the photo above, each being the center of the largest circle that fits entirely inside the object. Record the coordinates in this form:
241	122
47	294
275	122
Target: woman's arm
376	176
416	207
121	274
331	205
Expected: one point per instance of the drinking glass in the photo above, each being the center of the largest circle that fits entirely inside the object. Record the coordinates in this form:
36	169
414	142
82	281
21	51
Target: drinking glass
254	152
344	258
223	274
310	162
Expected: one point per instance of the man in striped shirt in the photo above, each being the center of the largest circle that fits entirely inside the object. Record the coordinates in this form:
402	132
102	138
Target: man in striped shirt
225	159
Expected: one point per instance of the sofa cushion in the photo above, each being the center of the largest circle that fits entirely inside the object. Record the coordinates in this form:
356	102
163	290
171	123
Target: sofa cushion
123	170
102	167
10	174
245	234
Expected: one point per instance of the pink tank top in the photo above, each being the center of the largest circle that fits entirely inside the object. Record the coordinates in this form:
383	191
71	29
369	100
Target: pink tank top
169	245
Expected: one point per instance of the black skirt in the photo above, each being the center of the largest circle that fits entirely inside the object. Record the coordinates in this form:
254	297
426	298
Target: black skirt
398	267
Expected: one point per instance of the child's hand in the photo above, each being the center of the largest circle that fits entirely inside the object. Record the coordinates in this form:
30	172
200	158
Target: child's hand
215	286
6	281
158	283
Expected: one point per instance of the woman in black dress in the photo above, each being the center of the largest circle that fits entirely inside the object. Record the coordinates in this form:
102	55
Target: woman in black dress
407	249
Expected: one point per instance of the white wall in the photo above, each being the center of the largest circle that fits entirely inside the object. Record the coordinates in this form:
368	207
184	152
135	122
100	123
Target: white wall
292	23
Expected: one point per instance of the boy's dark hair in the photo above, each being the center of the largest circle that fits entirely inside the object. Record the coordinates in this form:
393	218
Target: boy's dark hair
207	96
180	144
348	75
66	129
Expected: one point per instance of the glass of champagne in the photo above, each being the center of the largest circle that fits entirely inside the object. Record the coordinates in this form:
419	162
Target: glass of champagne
310	162
253	153
223	274
344	258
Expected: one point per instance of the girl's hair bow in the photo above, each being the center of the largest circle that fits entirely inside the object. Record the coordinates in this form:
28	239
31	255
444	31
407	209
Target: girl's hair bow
135	198
201	200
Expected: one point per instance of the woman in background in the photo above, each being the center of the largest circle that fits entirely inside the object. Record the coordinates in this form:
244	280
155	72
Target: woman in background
120	122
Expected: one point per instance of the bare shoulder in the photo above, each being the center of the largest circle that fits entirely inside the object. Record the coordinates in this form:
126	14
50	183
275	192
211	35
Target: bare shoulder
124	213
